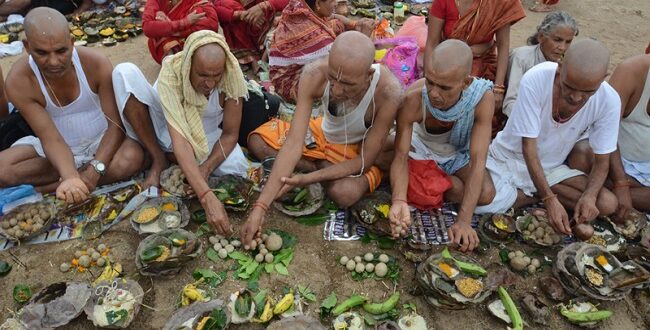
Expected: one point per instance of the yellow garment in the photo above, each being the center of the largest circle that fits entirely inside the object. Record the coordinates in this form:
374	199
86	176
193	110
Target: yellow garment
184	106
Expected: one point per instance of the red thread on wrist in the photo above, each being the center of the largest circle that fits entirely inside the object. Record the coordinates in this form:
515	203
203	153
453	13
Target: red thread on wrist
551	196
205	193
261	205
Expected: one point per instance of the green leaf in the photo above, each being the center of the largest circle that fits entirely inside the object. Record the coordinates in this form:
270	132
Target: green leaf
410	307
369	320
288	240
327	305
218	320
503	255
116	316
204	229
260	299
286	260
22	293
313	219
243	304
281	269
268	268
253	285
306	293
199	216
209	276
239	256
250	268
212	255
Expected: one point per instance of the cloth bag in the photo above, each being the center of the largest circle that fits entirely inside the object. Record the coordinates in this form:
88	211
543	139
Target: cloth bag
427	184
401	58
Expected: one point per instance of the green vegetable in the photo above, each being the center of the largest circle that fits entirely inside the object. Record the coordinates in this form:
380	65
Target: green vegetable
381	308
306	293
199	216
300	196
327	305
260	299
217	321
503	255
5	268
114	317
466	267
22	293
511	309
152	253
585	317
348	304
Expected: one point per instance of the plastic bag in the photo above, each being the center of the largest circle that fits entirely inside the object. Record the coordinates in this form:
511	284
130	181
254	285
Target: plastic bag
401	58
427	184
382	30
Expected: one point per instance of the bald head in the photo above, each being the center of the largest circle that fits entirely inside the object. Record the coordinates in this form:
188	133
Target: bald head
587	59
45	22
210	53
452	57
352	50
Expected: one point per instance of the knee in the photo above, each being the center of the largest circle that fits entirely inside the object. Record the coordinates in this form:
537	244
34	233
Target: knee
487	195
607	202
129	161
581	157
344	193
7	175
122	69
256	145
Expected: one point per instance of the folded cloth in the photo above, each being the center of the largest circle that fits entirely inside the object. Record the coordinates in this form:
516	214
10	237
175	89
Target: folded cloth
11	49
427	184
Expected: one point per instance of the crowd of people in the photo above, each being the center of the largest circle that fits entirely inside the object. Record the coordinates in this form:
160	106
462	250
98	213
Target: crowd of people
486	127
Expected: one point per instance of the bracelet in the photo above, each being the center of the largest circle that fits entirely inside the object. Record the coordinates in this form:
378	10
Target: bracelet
397	200
551	196
621	184
499	89
261	205
205	193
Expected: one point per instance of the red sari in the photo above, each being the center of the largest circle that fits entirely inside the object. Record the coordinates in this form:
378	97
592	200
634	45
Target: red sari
478	26
246	41
167	36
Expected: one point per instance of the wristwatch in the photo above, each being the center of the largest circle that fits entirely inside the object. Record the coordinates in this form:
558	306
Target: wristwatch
98	166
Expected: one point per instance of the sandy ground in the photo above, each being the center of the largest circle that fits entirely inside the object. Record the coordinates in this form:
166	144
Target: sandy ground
622	25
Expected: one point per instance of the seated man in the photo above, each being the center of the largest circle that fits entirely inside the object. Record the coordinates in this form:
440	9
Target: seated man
446	117
556	105
66	96
359	103
630	165
198	90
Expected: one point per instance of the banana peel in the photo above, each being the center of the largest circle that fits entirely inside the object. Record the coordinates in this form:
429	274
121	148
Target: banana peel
267	314
110	272
284	304
191	294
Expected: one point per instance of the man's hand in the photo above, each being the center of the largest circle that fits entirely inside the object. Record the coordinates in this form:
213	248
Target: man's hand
252	228
557	216
624	202
255	15
498	100
461	233
296	180
72	190
194	17
400	218
161	16
90	177
205	171
216	214
586	209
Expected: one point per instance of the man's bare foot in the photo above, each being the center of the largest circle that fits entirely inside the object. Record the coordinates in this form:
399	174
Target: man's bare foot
153	176
542	8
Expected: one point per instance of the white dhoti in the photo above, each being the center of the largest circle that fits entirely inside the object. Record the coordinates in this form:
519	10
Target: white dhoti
640	171
511	175
128	80
82	153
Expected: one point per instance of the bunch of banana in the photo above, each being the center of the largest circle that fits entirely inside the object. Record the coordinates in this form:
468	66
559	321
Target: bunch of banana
267	314
284	304
191	294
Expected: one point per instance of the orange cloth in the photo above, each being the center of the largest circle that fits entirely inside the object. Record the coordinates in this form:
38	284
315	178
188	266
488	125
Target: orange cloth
274	133
484	18
427	184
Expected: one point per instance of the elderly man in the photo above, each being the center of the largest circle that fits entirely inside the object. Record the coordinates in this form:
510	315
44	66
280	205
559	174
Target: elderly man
556	105
66	97
198	91
446	118
629	171
359	103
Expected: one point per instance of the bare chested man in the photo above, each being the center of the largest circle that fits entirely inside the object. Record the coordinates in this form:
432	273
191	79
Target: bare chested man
446	117
360	101
66	96
557	104
629	166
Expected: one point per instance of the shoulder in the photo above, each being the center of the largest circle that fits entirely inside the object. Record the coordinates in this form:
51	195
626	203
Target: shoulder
632	72
93	61
389	87
539	74
522	53
20	77
608	97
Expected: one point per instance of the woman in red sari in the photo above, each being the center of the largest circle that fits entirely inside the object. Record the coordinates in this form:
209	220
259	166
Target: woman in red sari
245	24
485	26
305	33
168	22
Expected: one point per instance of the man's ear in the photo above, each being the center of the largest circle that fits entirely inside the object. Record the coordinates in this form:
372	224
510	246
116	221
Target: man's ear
467	81
26	45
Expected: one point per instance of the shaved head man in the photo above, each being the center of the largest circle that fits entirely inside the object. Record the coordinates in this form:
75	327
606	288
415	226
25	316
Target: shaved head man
160	116
445	119
359	101
66	96
629	169
559	105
